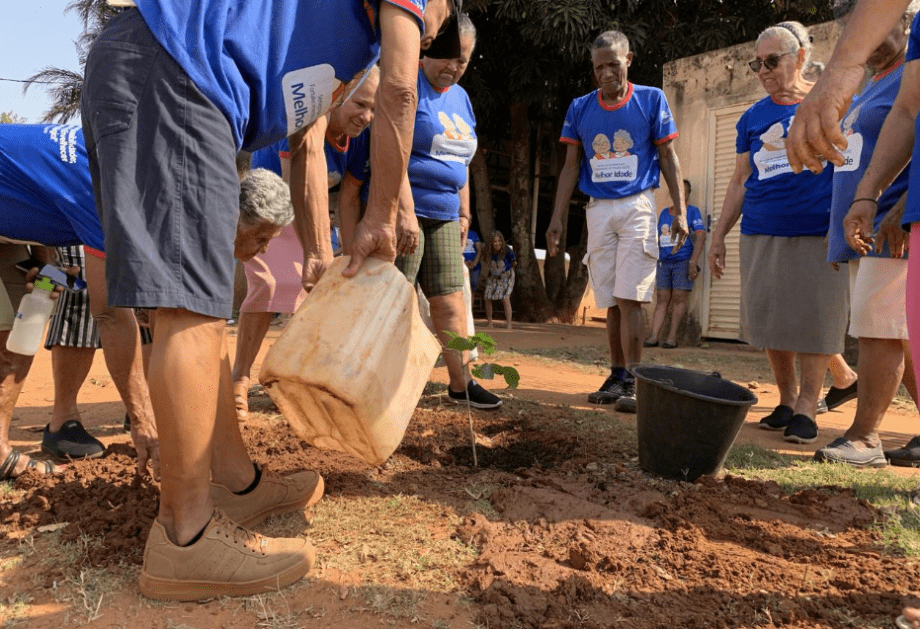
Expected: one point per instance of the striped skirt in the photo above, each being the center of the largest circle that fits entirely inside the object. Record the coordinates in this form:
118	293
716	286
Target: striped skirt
72	325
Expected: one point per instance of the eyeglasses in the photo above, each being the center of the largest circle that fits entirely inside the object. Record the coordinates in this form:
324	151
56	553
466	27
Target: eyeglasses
770	62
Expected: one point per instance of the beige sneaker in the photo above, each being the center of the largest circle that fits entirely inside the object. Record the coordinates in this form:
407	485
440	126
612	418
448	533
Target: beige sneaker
273	495
228	560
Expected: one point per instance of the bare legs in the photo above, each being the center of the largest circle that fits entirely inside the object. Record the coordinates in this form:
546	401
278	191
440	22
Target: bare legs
506	302
191	393
13	371
250	334
663	299
121	345
448	312
881	367
802	395
841	373
679	297
624	332
69	366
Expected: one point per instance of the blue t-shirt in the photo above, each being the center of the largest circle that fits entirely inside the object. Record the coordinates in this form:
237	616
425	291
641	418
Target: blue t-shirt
666	244
269	158
506	260
912	211
339	160
271	66
469	248
620	143
46	195
442	148
777	202
862	126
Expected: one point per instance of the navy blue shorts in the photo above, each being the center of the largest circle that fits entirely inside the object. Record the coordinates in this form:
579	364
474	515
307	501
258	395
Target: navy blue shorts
162	161
673	275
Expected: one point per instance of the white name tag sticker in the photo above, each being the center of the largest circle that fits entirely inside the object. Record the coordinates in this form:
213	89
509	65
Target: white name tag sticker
452	149
614	168
308	94
771	163
852	155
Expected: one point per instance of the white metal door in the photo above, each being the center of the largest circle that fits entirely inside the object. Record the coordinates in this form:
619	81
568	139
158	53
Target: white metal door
722	297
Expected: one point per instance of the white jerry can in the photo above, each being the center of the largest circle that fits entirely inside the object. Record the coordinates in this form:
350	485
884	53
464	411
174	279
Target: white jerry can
349	368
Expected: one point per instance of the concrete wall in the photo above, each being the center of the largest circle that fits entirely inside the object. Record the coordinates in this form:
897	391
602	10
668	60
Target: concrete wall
695	86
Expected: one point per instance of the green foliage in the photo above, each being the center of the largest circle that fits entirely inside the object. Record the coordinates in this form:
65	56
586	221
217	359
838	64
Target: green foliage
467	344
8	117
486	371
536	51
64	87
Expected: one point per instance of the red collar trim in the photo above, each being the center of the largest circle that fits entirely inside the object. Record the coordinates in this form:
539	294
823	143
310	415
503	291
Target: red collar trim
882	75
780	102
336	145
606	107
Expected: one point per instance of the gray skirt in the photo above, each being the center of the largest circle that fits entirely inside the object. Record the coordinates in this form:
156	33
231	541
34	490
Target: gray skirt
791	298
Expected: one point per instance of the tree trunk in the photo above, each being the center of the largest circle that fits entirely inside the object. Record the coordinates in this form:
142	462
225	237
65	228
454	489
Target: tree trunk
573	292
532	303
482	186
554	267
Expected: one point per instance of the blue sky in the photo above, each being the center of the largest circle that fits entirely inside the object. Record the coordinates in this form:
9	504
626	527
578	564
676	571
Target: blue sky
34	34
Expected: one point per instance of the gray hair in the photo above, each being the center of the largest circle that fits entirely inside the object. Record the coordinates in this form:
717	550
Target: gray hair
842	8
467	28
265	198
794	34
243	163
611	39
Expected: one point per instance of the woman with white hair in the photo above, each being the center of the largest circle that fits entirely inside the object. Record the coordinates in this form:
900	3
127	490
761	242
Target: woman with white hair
792	302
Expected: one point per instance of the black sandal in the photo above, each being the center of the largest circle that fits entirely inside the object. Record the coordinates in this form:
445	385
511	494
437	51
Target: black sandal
9	464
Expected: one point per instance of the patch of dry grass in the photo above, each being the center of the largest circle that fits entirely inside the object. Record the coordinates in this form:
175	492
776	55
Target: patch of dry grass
389	540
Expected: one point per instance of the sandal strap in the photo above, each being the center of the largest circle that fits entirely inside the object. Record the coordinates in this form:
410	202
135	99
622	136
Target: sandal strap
47	465
8	465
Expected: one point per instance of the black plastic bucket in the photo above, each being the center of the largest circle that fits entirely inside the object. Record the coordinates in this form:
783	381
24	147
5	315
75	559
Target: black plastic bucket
687	420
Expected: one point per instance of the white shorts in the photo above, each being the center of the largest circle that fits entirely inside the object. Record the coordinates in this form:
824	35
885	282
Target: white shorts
877	298
622	248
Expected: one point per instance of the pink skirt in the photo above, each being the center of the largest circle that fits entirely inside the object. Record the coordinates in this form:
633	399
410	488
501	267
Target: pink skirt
274	277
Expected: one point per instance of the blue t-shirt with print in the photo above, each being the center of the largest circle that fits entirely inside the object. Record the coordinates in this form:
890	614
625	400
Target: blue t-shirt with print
46	194
666	244
777	202
442	148
506	260
862	126
271	66
912	211
620	143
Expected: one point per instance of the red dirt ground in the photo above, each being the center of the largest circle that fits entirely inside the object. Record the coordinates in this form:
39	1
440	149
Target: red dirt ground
571	533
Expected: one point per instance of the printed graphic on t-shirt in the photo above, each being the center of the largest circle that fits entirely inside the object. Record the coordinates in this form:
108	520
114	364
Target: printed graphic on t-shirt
853	152
771	160
66	139
456	143
616	164
308	94
664	239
